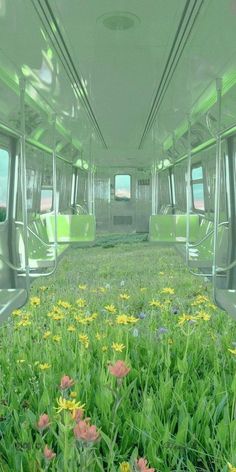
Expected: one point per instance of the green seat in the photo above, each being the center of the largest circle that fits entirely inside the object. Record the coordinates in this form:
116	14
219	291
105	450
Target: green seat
172	228
71	228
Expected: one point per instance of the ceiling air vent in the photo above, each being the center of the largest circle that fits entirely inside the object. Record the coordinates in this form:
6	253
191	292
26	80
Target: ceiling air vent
119	21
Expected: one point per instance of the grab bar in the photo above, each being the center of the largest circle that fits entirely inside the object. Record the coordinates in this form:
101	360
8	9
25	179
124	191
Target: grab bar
198	243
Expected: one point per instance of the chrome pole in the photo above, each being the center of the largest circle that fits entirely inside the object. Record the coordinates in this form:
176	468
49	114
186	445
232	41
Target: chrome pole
90	180
154	188
188	193
54	177
22	84
217	186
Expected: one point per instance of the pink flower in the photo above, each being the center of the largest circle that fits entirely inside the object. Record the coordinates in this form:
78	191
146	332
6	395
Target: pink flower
119	369
66	382
84	432
43	422
48	453
142	465
77	415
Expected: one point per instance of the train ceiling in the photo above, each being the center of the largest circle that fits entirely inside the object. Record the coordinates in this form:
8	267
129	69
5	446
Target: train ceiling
125	72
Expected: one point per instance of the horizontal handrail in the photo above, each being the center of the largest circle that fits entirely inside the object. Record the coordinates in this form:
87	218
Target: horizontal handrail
224	269
36	235
198	243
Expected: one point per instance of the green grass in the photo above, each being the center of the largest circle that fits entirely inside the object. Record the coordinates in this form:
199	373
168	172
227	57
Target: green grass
176	406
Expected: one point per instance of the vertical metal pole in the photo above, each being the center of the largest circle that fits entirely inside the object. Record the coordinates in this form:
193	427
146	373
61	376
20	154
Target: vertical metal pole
54	177
217	186
188	193
90	180
23	179
154	188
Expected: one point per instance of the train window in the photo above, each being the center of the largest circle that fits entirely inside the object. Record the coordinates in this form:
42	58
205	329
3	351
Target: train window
122	187
4	172
46	200
197	188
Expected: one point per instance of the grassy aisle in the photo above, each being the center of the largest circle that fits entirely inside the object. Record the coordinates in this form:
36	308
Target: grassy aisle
167	405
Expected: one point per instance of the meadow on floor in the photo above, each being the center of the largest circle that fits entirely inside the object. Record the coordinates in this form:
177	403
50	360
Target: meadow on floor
121	363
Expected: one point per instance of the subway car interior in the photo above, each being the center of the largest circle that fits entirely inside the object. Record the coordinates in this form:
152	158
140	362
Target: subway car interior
118	235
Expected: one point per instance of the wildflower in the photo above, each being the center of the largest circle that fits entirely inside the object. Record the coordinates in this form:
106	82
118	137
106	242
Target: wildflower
104	348
184	318
161	273
69	405
58	317
155	304
46	334
168	290
20	361
124	296
132	319
102	289
17	313
111	309
24	322
143	289
98	336
202	315
142	315
84	432
233	351
34	301
81	302
64	304
66	382
56	310
73	394
43	288
119	369
84	340
71	328
161	331
122	319
48	453
56	338
43	422
231	468
78	414
44	366
125	467
142	465
175	310
135	333
82	286
118	347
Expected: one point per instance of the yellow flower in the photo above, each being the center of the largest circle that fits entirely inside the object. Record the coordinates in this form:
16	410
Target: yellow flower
44	366
20	361
168	290
233	351
73	394
81	302
56	309
125	467
199	300
64	304
71	328
43	288
124	296
170	341
102	289
143	289
231	468
161	273
56	338
69	405
104	348
82	286
84	340
58	317
98	336
118	347
184	318
34	301
24	322
17	313
122	319
202	315
47	334
94	316
132	319
111	309
155	303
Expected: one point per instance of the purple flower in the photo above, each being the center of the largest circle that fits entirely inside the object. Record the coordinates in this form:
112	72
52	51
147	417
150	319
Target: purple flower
161	331
175	310
142	315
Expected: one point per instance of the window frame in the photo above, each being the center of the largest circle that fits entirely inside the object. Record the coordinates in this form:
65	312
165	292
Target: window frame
197	181
6	148
43	212
117	199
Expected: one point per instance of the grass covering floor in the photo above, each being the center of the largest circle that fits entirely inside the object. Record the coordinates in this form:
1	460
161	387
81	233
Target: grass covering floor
172	398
